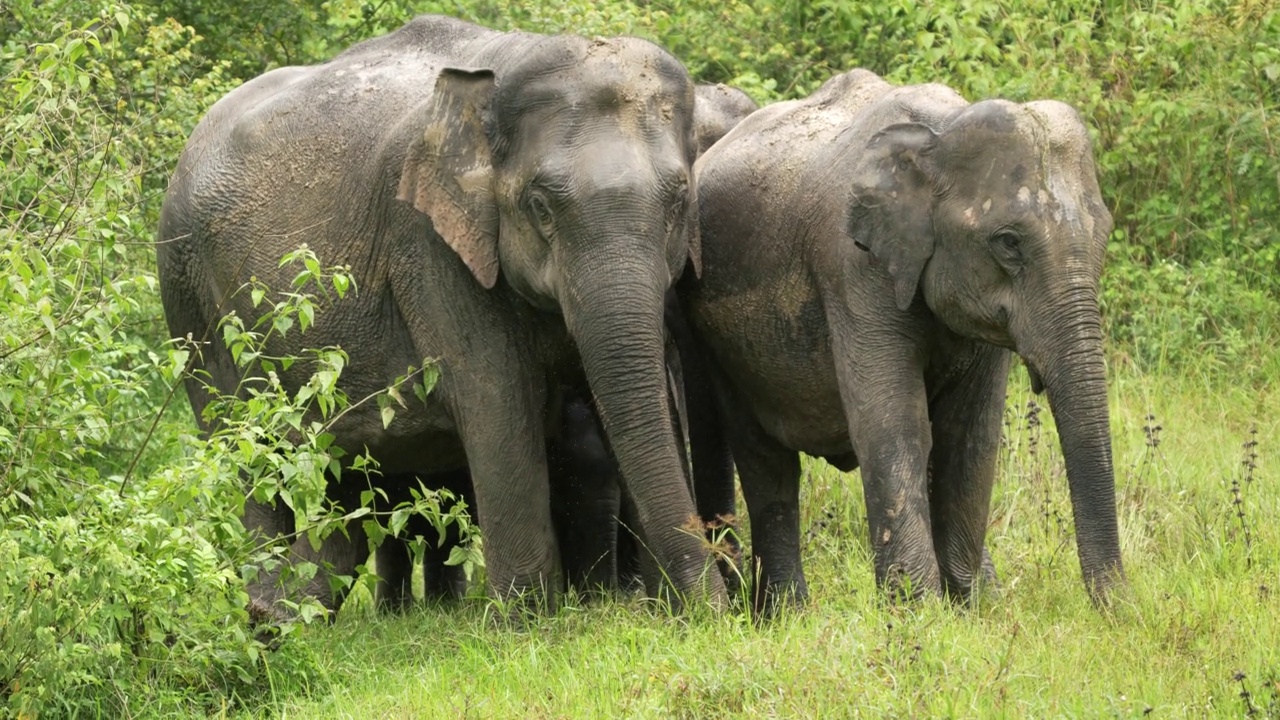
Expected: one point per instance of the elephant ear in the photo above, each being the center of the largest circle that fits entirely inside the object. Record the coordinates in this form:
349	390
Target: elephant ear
692	233
448	170
892	199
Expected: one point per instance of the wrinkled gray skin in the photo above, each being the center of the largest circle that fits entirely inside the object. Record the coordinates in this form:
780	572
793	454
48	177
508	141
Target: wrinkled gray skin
718	108
594	520
520	221
870	256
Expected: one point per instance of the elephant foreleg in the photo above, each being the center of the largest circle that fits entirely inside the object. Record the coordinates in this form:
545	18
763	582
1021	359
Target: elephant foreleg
885	402
966	439
501	425
585	498
709	454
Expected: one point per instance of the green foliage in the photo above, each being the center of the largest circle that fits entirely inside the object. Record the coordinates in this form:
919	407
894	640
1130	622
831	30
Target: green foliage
1182	98
112	577
122	557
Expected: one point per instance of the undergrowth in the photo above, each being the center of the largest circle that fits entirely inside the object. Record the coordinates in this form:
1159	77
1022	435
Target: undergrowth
123	562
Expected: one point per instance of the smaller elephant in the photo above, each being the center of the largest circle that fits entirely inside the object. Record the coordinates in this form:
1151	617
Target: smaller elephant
595	523
717	109
586	504
871	255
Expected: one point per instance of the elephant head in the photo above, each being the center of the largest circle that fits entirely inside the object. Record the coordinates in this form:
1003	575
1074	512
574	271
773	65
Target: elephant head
567	173
720	108
993	215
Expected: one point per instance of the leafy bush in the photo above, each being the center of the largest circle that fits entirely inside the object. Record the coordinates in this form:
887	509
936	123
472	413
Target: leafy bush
122	557
111	572
1182	97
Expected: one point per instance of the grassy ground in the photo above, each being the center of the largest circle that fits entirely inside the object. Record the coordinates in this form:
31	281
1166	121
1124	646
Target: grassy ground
1196	634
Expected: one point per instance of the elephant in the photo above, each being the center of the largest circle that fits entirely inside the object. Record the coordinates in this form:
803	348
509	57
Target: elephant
515	207
717	109
595	522
871	255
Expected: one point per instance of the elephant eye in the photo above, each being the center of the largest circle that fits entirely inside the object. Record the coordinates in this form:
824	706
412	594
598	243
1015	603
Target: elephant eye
540	212
678	204
1007	247
1006	239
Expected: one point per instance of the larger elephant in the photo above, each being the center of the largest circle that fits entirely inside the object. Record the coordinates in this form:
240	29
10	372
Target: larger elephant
871	254
513	205
596	526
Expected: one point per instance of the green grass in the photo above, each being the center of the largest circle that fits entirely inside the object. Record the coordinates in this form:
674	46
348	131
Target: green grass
1199	624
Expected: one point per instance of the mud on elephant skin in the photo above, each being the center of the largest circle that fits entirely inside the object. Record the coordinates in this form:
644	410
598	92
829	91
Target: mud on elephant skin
871	254
513	205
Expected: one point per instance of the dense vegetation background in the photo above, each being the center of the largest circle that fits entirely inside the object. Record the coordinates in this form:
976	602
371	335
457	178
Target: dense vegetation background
120	553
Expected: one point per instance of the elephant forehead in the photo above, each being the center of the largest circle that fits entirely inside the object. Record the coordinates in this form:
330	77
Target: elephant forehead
597	95
1057	125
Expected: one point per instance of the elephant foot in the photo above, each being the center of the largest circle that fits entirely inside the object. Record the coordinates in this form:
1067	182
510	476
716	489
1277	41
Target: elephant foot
727	550
266	612
733	584
631	583
522	611
988	574
774	598
395	603
967	589
443	583
266	617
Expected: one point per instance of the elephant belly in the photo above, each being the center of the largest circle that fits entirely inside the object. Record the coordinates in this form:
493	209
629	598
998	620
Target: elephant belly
771	343
428	452
795	401
814	425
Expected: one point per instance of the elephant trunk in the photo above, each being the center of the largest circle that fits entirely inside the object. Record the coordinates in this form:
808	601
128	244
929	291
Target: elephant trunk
1069	361
618	327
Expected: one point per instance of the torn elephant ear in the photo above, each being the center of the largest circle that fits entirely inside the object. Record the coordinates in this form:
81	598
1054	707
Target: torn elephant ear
448	171
892	196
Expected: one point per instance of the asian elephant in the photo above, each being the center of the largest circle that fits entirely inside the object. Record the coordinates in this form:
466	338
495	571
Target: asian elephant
595	522
717	109
512	205
871	254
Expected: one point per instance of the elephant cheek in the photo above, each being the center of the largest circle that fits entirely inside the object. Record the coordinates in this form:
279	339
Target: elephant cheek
529	267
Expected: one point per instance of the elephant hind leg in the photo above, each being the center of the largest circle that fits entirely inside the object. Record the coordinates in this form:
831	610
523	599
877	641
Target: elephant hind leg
770	475
710	458
394	565
339	555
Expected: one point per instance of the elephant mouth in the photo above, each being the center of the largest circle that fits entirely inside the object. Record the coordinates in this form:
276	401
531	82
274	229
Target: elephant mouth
1037	382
